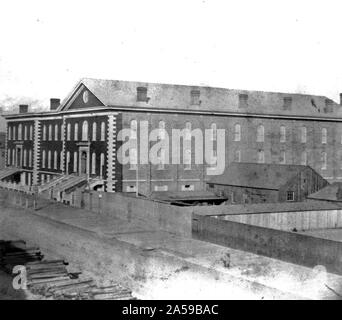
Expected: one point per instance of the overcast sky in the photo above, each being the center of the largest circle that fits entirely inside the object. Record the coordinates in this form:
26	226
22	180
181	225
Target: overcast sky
287	46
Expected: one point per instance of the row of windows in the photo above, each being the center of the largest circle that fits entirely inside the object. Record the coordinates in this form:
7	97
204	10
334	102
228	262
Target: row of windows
15	159
14	134
56	131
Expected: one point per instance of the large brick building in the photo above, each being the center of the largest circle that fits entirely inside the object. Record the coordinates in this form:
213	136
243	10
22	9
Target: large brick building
76	140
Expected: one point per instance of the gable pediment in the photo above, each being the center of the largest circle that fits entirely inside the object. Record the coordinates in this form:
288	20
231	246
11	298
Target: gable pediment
82	98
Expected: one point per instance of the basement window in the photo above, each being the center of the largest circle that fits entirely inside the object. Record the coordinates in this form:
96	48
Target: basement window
131	189
290	196
188	187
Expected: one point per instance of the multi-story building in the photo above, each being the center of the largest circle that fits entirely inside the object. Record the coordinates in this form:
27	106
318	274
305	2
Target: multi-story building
79	136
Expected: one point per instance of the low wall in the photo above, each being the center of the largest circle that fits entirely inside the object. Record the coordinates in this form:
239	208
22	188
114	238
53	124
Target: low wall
292	247
164	216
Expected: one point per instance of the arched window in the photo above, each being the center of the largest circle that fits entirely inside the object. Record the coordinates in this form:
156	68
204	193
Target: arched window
25	157
50	132
133	158
61	161
76	132
20	127
30	158
324	160
31	132
303	159
13	157
43	159
62	130
101	164
93	163
94	131
68	131
162	131
303	134
8	156
55	160
237	132
9	133
44	132
188	131
282	134
14	132
324	135
134	129
85	130
56	132
187	159
49	159
213	128
103	131
282	159
261	156
75	161
260	133
67	162
25	132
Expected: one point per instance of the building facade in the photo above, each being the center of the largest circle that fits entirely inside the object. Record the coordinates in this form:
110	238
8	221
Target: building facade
79	136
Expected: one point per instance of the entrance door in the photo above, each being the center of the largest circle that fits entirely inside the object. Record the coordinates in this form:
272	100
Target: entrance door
83	168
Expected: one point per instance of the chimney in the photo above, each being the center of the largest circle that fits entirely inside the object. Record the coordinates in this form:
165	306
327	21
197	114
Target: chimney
23	108
54	103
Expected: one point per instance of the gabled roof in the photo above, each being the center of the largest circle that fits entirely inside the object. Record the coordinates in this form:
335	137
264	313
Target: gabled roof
257	175
328	193
169	96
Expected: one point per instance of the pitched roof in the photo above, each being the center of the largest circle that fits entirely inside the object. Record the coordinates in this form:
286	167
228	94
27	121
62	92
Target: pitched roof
170	96
328	193
257	175
184	195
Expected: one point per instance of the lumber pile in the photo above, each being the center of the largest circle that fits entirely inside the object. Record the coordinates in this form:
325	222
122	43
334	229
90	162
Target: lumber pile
51	278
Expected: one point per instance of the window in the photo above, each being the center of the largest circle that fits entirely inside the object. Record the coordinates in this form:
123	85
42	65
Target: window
142	94
49	159
62	129
290	196
9	157
101	164
324	160
237	156
20	131
188	131
14	132
213	128
31	132
13	157
85	131
93	163
44	132
260	133
287	103
188	187
237	132
94	131
282	159
67	162
303	134
56	132
161	159
213	161
50	132
131	189
195	97
261	156
61	161
55	160
161	188
133	158
161	133
324	135
243	100
76	132
134	129
25	157
75	161
187	159
304	158
282	134
25	132
103	133
30	158
43	159
68	131
9	133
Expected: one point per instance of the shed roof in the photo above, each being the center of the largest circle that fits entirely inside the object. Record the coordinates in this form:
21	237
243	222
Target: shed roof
328	193
257	175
